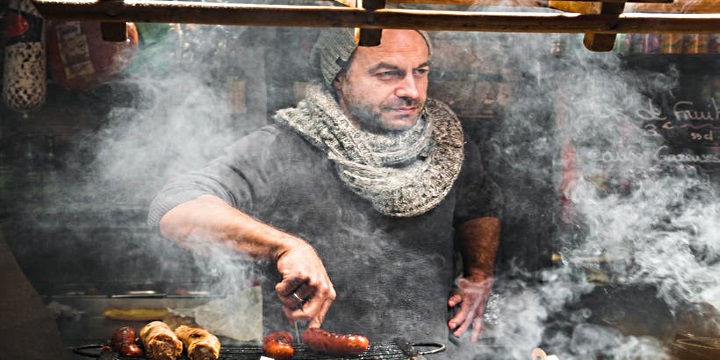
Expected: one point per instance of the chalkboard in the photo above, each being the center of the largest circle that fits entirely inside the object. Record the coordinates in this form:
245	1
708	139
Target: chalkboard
689	121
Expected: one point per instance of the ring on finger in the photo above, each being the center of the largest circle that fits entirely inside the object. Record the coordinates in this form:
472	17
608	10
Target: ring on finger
300	301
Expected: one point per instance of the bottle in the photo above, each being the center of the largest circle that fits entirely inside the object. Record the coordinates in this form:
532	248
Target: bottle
633	43
651	43
235	85
30	175
671	44
696	44
50	168
231	74
621	45
713	46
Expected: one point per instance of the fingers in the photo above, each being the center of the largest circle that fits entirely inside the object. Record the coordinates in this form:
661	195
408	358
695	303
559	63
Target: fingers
288	285
296	298
324	307
460	316
477	324
462	320
470	300
454	300
305	290
313	309
290	302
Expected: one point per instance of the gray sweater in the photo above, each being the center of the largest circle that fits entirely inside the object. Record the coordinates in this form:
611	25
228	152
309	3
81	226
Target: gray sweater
392	275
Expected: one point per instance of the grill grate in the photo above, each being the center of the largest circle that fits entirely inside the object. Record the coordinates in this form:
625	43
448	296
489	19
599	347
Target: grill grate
302	352
380	351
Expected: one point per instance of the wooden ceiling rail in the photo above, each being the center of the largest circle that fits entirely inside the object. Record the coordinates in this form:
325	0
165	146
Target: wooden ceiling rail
382	18
606	41
678	6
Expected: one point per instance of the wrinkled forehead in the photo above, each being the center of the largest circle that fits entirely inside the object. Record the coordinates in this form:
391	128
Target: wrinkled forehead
334	48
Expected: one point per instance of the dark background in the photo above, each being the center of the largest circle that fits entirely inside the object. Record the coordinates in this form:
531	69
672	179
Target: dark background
72	233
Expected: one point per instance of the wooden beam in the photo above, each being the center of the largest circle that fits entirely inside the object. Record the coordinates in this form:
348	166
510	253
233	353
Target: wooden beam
603	41
678	6
322	16
348	3
524	3
370	37
113	31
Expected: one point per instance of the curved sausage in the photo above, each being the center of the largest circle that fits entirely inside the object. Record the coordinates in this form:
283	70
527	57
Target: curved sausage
278	345
335	344
124	341
160	342
199	343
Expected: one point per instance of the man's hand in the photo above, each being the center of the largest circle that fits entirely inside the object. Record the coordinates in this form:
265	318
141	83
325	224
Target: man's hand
209	220
472	297
304	277
478	239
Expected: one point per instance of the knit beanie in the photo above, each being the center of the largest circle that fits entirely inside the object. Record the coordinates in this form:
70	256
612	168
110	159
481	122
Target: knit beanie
333	50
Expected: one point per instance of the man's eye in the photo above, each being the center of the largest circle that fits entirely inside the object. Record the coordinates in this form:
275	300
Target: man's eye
388	74
422	71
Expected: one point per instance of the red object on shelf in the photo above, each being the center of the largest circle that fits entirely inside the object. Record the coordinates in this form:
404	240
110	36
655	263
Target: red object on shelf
78	57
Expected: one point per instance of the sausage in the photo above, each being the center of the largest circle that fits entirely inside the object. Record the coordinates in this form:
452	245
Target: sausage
124	341
121	336
335	344
160	342
199	343
131	350
278	345
135	314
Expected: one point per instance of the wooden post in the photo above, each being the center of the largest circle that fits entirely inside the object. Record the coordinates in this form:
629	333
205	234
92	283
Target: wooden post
371	37
113	31
603	41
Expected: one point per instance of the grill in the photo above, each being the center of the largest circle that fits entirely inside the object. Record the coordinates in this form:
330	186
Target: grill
395	350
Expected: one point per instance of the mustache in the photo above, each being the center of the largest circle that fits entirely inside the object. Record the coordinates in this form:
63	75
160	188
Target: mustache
404	102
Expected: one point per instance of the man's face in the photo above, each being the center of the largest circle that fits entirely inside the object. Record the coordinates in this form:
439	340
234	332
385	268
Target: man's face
385	87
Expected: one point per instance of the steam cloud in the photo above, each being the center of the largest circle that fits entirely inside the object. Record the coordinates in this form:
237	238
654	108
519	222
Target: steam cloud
640	221
655	227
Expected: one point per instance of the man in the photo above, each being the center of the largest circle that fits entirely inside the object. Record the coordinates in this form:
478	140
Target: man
353	199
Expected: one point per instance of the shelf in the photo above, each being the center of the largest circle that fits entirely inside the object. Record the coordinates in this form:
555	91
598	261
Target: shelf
335	16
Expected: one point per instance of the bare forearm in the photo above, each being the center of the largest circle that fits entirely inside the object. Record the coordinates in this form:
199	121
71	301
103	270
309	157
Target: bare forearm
208	219
479	239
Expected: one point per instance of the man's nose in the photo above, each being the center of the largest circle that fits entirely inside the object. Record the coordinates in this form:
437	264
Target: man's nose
408	88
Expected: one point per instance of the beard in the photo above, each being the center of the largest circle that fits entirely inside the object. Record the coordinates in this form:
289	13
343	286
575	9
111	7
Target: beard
373	119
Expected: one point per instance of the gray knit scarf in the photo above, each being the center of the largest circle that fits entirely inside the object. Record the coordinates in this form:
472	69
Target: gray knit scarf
401	174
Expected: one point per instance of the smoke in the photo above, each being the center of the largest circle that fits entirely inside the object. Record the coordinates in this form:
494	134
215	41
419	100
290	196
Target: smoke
640	243
173	110
177	121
